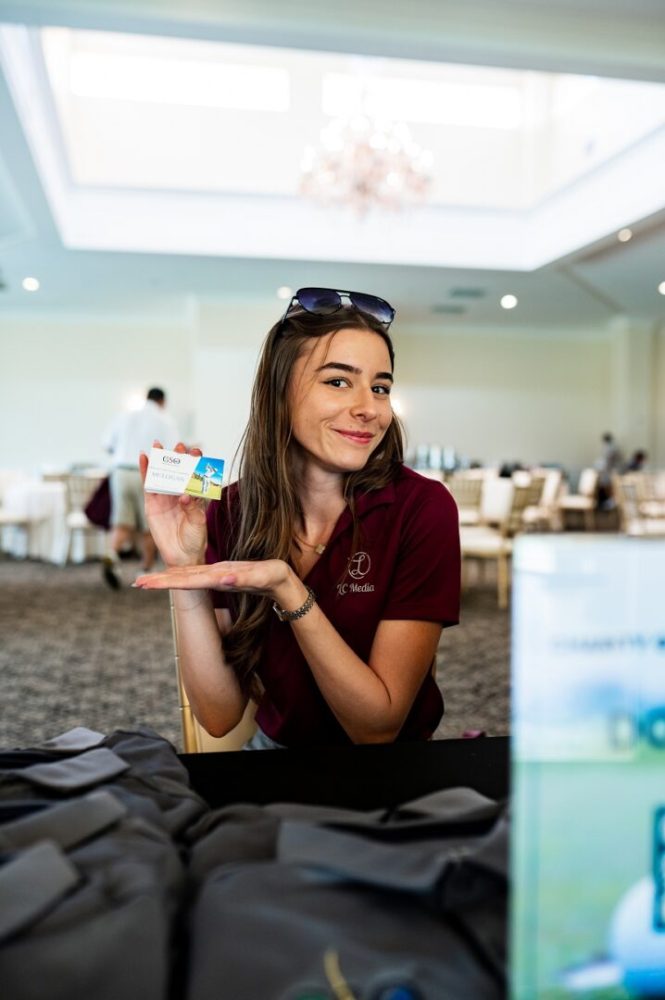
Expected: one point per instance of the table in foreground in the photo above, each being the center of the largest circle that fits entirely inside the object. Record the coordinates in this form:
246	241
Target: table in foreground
354	777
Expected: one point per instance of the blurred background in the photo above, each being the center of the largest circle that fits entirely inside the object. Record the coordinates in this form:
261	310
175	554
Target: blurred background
156	181
170	174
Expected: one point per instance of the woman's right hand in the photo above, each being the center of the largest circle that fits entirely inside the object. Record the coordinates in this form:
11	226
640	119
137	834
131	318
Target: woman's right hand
176	523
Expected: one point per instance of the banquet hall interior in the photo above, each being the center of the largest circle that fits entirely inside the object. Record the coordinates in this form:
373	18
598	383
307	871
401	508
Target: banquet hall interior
170	174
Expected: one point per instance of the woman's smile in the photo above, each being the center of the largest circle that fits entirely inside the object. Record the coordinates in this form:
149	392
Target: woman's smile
358	437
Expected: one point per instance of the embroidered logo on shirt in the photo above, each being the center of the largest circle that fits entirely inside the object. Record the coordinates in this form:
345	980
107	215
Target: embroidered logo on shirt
359	566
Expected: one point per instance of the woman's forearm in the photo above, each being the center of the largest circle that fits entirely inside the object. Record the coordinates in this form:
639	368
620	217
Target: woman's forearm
358	698
356	695
211	685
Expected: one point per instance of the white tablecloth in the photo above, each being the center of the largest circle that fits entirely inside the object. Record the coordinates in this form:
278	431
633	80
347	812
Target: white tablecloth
44	504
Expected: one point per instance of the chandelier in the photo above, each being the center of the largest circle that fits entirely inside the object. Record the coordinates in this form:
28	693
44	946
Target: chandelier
363	163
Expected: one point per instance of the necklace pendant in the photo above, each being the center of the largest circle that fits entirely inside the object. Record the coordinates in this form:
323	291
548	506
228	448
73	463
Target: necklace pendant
319	549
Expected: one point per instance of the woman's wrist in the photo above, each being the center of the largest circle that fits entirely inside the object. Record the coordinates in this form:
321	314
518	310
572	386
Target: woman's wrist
286	615
292	593
190	600
182	560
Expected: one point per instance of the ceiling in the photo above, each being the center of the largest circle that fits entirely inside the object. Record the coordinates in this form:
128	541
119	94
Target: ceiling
440	265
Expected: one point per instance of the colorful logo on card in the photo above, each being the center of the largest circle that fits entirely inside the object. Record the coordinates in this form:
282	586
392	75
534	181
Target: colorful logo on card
206	479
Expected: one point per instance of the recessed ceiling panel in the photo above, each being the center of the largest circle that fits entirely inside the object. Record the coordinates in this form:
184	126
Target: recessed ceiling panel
188	115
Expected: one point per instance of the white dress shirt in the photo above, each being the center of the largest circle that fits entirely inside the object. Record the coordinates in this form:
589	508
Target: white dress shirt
133	432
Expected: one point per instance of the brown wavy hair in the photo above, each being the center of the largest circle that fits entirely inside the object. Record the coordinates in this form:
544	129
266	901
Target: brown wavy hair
270	511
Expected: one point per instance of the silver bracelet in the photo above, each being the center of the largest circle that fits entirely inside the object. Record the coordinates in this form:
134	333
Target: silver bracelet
290	616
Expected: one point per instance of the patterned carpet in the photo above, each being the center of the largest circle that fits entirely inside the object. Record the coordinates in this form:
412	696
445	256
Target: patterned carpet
76	653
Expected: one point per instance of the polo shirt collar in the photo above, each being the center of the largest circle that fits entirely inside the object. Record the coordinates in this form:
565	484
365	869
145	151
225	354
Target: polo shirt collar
375	498
365	502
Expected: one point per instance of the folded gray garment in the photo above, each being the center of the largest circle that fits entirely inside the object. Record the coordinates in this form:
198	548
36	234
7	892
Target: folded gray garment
89	912
138	766
65	823
72	774
251	832
31	883
76	739
413	898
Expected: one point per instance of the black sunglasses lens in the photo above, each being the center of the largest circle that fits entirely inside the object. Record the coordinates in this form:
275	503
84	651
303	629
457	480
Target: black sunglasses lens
321	301
373	306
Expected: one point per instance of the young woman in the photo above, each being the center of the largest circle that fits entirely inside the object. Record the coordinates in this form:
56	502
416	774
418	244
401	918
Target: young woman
320	582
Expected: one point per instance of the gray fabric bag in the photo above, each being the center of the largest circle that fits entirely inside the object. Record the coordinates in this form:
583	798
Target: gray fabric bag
87	898
412	900
91	866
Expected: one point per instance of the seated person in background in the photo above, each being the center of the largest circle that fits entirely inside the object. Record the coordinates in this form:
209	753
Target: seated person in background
636	461
331	567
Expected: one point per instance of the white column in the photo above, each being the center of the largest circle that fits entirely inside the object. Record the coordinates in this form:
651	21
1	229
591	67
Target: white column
634	385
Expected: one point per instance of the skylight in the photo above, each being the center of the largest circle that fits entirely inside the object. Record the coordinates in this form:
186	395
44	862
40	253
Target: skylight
436	102
99	72
177	81
183	145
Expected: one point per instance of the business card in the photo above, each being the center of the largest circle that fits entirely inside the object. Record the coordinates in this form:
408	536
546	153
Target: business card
176	472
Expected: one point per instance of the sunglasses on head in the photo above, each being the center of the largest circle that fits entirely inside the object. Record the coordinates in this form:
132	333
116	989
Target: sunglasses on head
326	301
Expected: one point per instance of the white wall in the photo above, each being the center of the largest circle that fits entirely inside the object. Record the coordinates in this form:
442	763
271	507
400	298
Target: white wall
493	394
227	344
531	396
63	379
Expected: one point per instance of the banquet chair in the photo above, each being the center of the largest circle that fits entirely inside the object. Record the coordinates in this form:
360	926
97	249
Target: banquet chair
528	492
195	739
585	500
651	501
544	515
657	485
467	493
79	488
635	519
17	523
487	543
54	477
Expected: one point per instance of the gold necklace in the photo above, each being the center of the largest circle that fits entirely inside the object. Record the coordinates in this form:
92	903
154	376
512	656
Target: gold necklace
319	548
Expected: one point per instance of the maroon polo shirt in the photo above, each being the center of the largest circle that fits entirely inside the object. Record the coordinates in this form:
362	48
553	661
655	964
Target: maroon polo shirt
404	565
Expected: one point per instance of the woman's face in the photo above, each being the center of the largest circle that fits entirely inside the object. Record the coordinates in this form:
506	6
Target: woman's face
339	398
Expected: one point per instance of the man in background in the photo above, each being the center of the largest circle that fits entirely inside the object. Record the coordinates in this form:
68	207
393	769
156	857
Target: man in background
130	434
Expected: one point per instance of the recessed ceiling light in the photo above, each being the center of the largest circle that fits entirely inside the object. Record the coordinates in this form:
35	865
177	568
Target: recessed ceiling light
30	284
661	288
624	235
508	301
284	292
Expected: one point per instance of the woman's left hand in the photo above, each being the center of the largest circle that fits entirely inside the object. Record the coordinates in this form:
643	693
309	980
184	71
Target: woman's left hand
267	576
